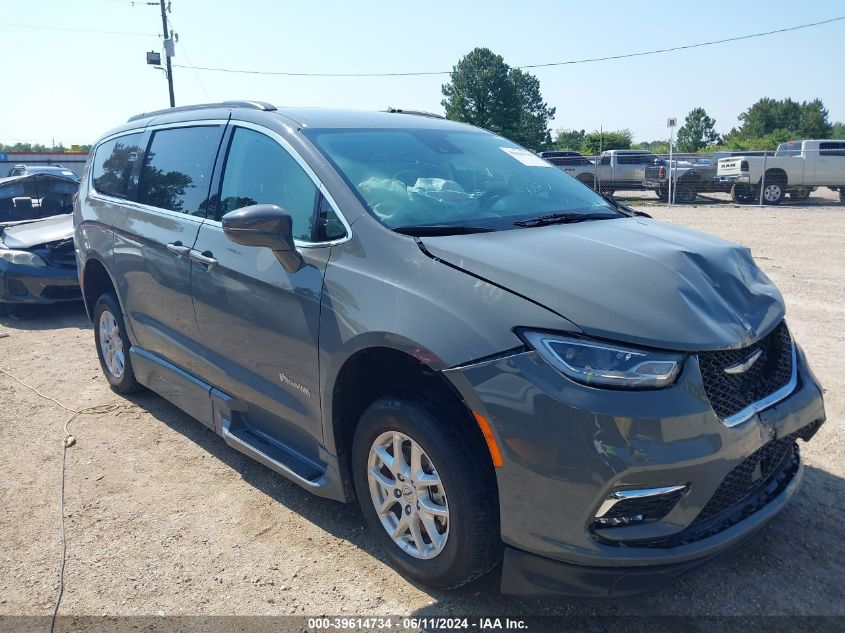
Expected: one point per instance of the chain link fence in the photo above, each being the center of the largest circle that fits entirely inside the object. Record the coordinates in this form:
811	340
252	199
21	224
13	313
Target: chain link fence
793	172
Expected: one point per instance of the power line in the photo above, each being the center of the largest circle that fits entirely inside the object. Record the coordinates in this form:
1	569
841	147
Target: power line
546	65
70	30
188	57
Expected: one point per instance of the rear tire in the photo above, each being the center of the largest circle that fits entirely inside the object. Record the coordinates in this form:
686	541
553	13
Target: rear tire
774	190
466	543
686	192
800	194
742	193
113	345
662	194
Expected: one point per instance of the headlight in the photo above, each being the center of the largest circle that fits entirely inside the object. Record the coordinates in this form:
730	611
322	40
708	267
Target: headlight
606	365
22	257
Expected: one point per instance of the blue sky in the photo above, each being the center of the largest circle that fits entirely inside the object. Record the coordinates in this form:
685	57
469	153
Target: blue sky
72	86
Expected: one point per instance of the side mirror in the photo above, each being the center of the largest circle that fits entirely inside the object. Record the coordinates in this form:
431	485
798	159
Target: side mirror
264	225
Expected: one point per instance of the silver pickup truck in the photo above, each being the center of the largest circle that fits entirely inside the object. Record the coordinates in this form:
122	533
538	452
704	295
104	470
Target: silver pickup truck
690	177
615	169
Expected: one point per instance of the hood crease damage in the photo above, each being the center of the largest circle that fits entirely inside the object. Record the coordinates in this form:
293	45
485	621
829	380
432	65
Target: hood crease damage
634	280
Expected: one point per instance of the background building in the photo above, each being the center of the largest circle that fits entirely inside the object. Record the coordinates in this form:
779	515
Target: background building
75	161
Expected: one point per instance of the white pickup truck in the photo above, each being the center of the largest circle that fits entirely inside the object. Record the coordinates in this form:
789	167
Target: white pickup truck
797	168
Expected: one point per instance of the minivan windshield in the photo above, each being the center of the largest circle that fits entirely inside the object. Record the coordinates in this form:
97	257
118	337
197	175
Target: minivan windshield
435	177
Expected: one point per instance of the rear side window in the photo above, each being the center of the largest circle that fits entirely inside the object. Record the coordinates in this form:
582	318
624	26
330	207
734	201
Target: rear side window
568	161
177	169
636	159
832	149
113	163
260	171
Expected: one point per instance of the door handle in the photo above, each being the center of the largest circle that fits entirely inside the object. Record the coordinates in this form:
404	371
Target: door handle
205	258
178	249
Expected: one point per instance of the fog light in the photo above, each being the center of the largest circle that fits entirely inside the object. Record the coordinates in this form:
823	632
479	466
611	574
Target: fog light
623	520
16	288
637	505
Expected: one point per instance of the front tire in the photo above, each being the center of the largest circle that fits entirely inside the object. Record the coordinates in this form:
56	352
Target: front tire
113	345
426	492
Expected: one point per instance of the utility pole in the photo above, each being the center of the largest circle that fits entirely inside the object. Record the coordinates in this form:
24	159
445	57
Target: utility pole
168	53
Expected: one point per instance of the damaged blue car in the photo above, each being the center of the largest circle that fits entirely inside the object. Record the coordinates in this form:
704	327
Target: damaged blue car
37	260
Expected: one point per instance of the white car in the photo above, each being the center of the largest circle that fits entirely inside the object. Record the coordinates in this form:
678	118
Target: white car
797	168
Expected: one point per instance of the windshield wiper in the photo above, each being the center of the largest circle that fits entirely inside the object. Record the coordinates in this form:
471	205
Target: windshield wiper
432	230
563	218
624	208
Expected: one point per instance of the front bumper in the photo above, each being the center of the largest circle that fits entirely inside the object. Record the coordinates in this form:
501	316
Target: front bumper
566	446
37	284
529	574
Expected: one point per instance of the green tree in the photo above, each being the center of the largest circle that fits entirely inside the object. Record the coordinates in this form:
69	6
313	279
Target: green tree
783	118
532	126
838	131
570	140
697	132
658	147
814	122
486	92
480	92
596	142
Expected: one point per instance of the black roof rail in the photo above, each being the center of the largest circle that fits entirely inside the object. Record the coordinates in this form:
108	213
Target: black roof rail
431	115
252	105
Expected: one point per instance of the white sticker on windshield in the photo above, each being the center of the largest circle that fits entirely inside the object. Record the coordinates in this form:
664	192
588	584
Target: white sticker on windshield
525	157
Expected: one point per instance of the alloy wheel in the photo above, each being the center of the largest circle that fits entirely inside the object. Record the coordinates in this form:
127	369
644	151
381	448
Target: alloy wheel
408	495
111	344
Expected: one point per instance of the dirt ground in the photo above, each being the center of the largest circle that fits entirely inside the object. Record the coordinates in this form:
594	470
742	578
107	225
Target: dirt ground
164	518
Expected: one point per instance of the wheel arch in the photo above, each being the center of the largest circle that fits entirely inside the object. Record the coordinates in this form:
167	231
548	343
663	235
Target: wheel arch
96	280
586	178
776	174
377	371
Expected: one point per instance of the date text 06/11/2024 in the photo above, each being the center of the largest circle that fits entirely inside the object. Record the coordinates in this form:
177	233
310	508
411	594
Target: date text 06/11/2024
414	624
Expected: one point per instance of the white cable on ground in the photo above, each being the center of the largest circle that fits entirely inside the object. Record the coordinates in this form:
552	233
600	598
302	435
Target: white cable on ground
68	441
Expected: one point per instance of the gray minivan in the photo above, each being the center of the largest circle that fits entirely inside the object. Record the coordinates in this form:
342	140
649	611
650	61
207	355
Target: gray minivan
500	364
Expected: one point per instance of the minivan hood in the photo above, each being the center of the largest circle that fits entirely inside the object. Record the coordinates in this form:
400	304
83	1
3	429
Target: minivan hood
29	234
629	279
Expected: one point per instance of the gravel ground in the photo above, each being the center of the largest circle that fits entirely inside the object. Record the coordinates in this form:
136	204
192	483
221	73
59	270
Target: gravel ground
163	518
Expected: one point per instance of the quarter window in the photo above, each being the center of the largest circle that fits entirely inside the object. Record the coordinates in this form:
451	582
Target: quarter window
260	171
329	226
177	169
113	164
